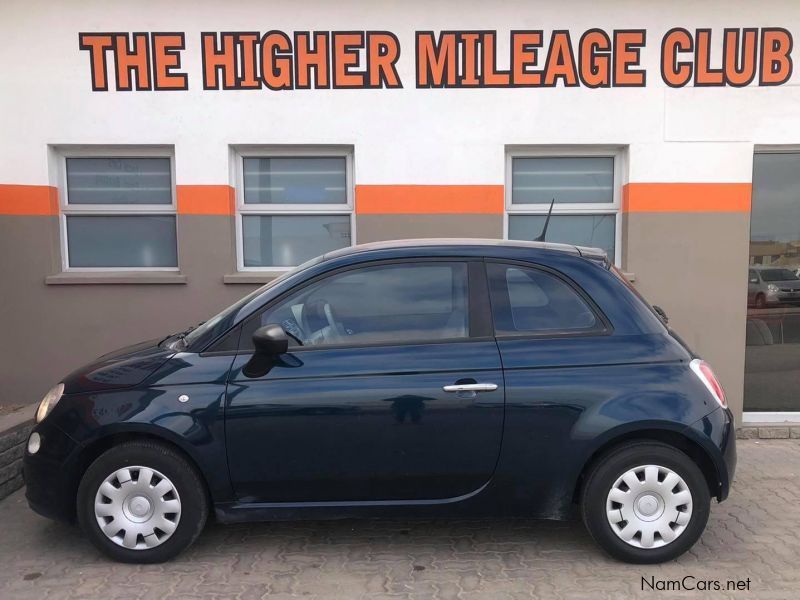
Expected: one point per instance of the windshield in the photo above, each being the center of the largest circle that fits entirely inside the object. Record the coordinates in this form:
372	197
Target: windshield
222	321
778	275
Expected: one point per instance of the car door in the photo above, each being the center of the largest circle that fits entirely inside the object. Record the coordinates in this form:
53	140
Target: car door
392	389
560	361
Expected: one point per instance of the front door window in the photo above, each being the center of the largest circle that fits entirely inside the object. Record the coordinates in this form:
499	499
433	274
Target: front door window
394	303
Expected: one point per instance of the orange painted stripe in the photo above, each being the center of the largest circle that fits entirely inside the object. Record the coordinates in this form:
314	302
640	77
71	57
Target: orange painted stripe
205	199
28	200
686	197
419	199
429	199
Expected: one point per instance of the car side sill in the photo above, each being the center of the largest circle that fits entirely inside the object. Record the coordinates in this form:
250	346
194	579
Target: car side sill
237	512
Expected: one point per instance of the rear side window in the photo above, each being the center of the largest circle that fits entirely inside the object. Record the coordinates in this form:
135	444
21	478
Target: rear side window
530	301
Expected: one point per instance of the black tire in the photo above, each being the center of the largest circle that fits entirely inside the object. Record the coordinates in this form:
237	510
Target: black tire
164	459
605	473
761	301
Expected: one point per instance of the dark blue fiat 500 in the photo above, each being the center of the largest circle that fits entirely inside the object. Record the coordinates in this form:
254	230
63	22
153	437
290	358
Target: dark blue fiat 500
429	377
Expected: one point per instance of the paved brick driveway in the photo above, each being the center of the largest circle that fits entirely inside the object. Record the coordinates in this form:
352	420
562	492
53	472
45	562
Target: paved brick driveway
753	535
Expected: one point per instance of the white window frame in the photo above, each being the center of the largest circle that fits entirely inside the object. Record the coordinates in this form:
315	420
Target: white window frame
583	208
66	209
242	209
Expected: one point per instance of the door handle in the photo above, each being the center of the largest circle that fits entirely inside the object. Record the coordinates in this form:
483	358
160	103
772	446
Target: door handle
471	387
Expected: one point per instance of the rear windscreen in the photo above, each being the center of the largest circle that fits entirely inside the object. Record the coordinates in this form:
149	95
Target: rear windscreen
621	276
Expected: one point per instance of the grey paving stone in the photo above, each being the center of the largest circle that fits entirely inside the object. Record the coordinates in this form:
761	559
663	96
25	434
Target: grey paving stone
747	433
773	433
750	536
14	436
10	471
12	454
9	487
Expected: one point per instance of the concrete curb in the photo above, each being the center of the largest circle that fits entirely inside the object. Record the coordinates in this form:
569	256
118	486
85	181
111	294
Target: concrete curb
14	430
768	431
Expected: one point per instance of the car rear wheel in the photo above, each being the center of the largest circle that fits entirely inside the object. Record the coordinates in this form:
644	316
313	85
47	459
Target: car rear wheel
142	502
645	502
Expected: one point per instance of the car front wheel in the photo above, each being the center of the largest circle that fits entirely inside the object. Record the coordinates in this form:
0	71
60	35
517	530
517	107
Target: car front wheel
142	502
645	502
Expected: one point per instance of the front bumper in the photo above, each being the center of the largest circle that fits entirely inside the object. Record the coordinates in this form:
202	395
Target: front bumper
50	474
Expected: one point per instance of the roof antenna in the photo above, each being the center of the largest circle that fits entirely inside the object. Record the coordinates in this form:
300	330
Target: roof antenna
543	235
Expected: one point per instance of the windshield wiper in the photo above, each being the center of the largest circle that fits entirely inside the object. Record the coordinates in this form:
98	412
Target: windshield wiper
181	335
180	340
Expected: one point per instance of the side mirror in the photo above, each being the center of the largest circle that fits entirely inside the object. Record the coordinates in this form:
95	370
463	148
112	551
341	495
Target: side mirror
271	340
754	280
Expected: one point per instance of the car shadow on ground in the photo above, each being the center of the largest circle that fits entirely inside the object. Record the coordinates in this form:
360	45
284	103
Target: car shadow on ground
364	537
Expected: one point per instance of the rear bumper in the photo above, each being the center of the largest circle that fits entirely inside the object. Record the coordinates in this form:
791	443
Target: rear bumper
729	455
716	433
50	482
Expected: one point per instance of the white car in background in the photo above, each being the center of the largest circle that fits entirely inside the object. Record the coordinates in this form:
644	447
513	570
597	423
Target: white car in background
771	286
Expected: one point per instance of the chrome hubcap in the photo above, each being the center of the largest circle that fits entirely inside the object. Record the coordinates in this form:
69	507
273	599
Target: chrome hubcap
649	506
137	507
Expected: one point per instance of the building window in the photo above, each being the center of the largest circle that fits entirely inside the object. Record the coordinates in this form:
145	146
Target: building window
293	205
585	186
118	212
773	285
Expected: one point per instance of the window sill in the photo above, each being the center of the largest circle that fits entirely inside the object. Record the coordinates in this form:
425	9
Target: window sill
251	277
115	277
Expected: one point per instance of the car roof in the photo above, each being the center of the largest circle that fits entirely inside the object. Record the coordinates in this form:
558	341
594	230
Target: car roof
468	243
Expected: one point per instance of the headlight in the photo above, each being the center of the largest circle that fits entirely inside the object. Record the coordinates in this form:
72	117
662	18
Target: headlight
772	288
50	399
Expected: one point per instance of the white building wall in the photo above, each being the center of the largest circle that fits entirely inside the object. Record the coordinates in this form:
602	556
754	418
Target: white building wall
409	135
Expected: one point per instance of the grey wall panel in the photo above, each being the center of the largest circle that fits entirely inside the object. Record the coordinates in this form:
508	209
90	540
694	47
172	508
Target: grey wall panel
691	264
48	330
694	265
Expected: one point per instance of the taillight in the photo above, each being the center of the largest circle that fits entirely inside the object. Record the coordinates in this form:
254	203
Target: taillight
703	371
